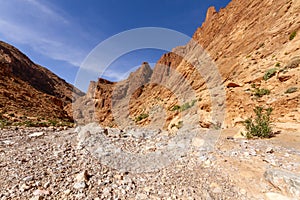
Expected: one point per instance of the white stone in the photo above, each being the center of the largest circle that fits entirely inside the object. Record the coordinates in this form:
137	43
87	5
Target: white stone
28	178
24	187
8	142
276	196
36	134
79	185
67	192
82	176
197	142
41	192
217	190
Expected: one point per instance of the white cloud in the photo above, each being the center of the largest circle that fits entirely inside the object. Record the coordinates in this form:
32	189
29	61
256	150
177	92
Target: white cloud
116	75
47	11
46	32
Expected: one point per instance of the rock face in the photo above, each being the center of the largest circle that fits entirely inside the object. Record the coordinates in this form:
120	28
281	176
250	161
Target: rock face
28	90
245	41
287	182
103	94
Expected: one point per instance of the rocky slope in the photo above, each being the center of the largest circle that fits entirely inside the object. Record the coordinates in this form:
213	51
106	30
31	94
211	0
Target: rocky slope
29	91
245	41
47	163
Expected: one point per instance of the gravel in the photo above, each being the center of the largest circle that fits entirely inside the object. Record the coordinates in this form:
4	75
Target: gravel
42	163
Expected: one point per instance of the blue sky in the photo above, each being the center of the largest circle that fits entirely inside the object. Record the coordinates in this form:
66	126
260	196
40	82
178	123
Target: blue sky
59	34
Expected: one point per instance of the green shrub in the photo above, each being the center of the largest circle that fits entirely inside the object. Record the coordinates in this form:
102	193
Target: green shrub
261	92
187	105
293	35
4	123
270	73
141	117
260	126
23	117
158	98
176	107
29	123
67	124
178	126
277	64
42	124
291	90
53	122
193	102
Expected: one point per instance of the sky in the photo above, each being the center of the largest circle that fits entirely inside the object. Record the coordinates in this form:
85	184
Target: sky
60	34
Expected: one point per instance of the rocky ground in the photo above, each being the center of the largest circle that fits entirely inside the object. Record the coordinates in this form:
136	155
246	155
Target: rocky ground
50	163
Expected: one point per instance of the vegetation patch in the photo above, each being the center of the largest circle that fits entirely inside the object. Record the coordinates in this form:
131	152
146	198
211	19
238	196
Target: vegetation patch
293	35
260	126
270	73
4	123
33	123
260	92
141	117
176	107
184	107
291	90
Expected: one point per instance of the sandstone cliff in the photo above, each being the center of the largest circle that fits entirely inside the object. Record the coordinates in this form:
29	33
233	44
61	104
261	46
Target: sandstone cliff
29	91
246	41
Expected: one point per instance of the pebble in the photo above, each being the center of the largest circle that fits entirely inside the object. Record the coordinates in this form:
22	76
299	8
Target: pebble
37	198
147	189
269	150
82	176
198	142
41	192
66	174
28	178
8	142
24	187
80	185
217	190
36	134
207	163
243	191
119	177
106	191
276	196
67	192
142	196
47	184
